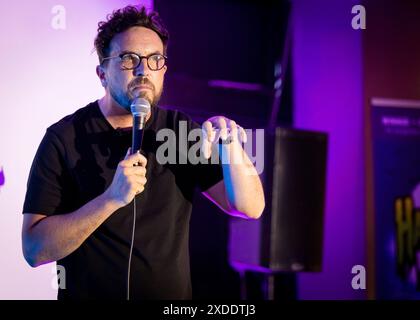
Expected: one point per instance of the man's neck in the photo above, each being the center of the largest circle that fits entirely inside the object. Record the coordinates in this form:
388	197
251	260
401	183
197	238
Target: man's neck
116	115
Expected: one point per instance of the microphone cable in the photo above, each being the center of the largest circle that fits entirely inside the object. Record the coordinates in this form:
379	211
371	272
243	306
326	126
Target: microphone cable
131	247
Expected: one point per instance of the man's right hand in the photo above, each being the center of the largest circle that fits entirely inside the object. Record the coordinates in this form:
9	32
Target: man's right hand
129	179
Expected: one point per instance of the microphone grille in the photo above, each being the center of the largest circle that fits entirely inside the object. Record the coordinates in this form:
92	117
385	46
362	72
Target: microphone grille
140	106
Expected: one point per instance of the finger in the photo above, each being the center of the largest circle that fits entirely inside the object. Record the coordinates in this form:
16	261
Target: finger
223	128
242	135
206	148
208	132
215	128
208	138
134	159
137	181
233	130
137	185
139	190
142	160
135	170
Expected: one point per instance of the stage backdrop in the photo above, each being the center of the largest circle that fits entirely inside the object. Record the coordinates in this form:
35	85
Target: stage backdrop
396	159
47	71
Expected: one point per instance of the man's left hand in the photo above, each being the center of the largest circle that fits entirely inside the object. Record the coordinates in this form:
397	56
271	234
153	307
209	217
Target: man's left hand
222	128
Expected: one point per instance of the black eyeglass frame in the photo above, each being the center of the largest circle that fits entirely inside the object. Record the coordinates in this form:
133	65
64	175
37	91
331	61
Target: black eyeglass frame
140	59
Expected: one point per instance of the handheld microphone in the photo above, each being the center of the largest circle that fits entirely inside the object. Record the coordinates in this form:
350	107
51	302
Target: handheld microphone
140	108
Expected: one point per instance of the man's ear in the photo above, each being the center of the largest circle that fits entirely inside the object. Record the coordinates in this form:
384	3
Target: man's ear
101	74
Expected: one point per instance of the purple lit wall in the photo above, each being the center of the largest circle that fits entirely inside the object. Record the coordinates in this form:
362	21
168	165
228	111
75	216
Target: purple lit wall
327	80
47	71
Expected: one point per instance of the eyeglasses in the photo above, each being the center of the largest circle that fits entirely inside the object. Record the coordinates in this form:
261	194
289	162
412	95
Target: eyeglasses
131	60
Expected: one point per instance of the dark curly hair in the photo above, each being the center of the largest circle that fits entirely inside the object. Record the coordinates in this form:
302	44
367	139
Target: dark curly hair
122	19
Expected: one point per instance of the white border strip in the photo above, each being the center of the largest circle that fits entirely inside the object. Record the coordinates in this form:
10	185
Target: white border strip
395	103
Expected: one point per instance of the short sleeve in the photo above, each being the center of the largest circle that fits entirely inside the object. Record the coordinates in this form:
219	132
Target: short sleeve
48	178
208	175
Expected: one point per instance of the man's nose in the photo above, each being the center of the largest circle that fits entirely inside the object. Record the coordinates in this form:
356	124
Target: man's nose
142	69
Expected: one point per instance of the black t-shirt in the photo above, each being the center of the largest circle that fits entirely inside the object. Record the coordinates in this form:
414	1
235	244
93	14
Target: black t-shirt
76	162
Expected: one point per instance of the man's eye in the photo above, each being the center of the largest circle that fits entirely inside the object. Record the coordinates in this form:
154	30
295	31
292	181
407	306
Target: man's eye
127	57
156	57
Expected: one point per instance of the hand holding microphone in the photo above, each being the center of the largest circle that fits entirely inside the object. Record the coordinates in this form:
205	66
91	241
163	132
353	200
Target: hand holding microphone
130	176
129	179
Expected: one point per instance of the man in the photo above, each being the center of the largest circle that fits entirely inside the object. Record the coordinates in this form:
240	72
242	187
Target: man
85	185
